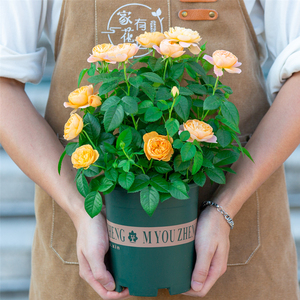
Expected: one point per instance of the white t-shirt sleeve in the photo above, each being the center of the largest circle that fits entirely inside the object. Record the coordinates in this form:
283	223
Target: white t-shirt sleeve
22	23
282	33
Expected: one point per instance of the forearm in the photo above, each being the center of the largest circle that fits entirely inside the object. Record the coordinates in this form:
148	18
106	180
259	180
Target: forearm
276	137
32	144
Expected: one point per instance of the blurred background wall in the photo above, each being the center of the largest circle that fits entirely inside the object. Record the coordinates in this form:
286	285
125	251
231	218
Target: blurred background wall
17	221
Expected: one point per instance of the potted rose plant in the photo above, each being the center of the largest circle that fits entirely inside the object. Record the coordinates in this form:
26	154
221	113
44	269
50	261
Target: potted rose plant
150	136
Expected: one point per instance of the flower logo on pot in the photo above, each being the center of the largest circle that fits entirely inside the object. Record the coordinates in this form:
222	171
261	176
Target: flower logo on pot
84	156
222	59
158	147
149	39
132	237
199	131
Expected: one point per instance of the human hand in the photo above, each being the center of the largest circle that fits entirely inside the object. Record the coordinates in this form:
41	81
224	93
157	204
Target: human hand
212	248
92	245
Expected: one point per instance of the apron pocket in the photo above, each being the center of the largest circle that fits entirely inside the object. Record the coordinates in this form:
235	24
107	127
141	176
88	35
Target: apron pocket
245	237
63	235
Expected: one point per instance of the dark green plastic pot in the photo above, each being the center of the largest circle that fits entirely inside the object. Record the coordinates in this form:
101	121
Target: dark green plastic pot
151	253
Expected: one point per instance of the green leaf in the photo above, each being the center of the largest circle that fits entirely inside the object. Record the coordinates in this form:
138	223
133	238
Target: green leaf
225	88
109	148
198	89
225	157
105	184
198	160
178	190
223	137
153	77
125	137
212	102
148	89
185	135
136	81
229	170
159	64
177	144
153	114
92	171
185	91
108	86
106	137
82	73
207	163
94	183
163	104
160	184
92	69
180	165
113	117
112	174
162	167
144	105
92	126
199	179
163	93
164	196
111	101
140	182
228	123
149	199
82	185
93	204
230	112
172	126
216	175
196	67
188	151
183	108
126	180
177	70
245	151
60	161
175	177
130	105
106	77
71	147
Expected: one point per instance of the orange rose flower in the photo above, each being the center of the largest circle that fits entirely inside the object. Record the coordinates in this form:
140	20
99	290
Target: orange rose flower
121	52
94	101
158	147
200	131
79	97
84	156
222	59
149	39
169	48
73	127
99	53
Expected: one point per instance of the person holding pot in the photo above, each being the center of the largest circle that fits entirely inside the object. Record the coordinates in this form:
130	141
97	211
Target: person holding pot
69	247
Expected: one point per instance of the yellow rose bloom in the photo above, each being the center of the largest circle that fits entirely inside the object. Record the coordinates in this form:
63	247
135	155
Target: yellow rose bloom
121	52
149	39
99	53
79	97
222	59
200	131
169	48
94	101
84	156
157	146
73	127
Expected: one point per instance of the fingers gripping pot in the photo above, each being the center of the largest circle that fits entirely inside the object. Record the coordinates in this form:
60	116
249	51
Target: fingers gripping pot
151	253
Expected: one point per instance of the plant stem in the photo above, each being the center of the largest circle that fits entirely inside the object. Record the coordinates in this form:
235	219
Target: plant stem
215	87
131	159
99	167
89	139
153	52
126	80
151	161
199	56
135	124
166	65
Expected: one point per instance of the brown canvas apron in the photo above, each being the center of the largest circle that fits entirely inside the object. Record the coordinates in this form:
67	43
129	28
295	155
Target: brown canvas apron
262	258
